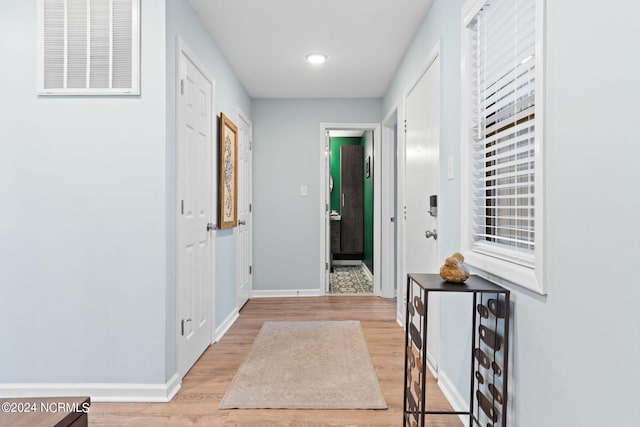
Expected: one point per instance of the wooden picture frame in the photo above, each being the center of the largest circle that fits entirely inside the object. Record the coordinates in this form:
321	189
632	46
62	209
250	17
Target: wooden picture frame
228	174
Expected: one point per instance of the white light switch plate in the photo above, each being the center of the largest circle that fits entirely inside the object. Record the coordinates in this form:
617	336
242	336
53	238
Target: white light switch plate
304	191
450	168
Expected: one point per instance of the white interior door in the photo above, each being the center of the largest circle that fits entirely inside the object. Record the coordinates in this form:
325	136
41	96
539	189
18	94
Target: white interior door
422	109
195	160
244	229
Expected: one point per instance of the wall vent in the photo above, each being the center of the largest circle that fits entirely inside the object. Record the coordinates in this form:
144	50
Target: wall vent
88	47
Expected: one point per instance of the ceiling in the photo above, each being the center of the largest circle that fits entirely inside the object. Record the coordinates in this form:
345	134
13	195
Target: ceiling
265	41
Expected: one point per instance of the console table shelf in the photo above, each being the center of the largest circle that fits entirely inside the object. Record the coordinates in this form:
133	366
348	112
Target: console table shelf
489	357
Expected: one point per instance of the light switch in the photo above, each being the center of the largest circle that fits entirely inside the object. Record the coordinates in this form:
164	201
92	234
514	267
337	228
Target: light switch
450	168
304	191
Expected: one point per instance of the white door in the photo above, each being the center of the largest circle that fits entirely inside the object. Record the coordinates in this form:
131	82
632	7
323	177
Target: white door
194	210
244	236
422	109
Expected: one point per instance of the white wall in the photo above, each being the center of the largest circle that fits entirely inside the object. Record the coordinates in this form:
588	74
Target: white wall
286	156
576	350
82	219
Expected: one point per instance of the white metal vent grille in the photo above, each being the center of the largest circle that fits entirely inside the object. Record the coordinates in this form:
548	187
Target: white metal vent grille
88	47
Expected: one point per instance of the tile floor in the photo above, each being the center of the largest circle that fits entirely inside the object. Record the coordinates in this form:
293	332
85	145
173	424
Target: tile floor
347	280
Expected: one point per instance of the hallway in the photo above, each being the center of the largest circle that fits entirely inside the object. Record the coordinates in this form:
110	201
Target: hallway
205	385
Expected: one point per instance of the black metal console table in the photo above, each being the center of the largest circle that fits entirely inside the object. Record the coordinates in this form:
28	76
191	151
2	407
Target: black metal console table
489	350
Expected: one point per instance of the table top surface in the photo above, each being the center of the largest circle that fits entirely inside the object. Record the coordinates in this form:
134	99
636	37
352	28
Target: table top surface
435	283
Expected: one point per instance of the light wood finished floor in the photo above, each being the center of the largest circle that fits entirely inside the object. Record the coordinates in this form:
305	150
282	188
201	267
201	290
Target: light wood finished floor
204	386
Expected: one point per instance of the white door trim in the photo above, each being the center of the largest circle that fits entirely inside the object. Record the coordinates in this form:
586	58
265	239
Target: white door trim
388	254
324	183
183	49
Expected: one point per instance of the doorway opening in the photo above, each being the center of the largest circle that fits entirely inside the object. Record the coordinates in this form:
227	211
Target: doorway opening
351	212
350	208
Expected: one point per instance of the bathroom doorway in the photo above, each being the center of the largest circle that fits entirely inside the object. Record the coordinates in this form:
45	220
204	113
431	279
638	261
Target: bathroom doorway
350	228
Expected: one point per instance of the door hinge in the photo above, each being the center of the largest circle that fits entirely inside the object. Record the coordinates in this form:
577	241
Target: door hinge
326	266
182	325
250	269
250	145
405	125
250	207
181	207
182	87
326	207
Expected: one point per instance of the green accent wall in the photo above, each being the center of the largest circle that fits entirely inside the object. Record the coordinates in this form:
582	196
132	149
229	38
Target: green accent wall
334	166
367	142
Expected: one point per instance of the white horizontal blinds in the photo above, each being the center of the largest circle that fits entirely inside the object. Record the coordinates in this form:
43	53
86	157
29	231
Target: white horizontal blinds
89	46
504	144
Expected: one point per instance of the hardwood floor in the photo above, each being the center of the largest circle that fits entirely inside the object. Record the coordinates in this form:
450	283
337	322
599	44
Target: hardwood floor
204	386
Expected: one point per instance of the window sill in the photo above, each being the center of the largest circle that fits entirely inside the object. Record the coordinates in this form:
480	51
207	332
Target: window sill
497	268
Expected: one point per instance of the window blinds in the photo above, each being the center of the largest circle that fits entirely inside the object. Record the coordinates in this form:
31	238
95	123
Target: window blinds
504	123
88	47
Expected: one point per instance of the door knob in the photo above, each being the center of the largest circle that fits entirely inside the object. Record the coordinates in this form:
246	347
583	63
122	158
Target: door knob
242	222
428	234
211	226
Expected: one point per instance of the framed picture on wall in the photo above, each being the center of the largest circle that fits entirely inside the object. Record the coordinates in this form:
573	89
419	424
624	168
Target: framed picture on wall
228	179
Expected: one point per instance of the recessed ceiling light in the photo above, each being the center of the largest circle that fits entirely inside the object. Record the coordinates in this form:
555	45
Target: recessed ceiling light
316	57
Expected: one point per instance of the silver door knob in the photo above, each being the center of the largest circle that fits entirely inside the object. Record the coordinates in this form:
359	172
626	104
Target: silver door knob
242	222
211	227
429	234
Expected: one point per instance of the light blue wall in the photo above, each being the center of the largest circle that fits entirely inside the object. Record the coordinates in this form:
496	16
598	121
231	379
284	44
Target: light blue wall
230	96
87	222
286	156
575	351
83	234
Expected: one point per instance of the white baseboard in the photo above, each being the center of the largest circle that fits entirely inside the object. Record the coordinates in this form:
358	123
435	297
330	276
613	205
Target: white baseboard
347	262
280	293
399	320
366	271
458	403
226	324
98	392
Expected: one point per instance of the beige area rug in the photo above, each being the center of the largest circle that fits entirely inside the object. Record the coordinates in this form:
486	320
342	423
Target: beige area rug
306	365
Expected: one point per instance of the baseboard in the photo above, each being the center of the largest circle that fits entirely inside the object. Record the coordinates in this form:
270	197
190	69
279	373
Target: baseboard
458	403
367	272
346	262
98	392
226	324
280	293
